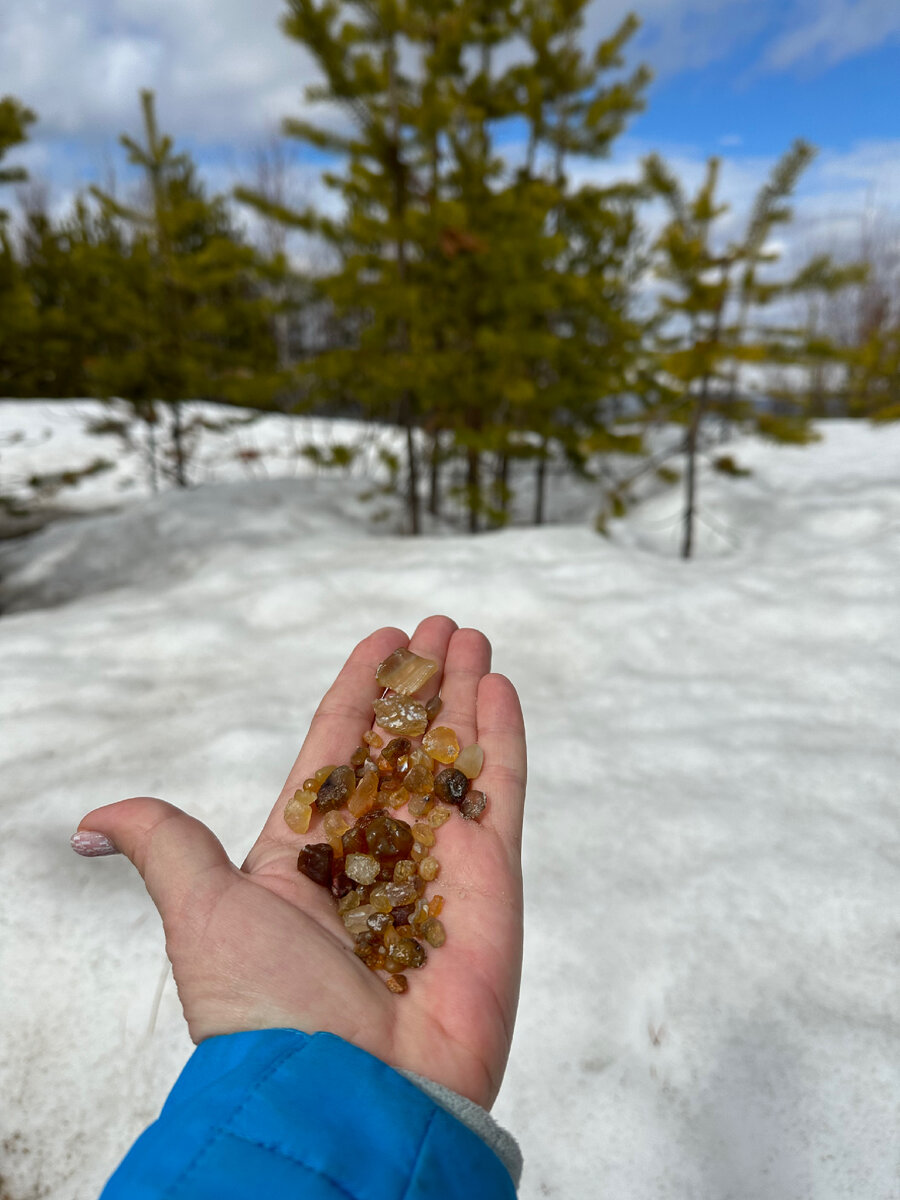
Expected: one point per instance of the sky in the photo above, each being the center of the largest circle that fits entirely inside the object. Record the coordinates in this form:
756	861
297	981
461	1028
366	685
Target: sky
736	78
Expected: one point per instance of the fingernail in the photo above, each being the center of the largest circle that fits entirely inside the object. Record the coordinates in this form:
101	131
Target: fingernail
92	845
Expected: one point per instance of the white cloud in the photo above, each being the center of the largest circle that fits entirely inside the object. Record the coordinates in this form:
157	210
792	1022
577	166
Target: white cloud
827	31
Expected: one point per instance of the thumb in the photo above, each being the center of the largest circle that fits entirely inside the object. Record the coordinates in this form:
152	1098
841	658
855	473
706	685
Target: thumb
175	854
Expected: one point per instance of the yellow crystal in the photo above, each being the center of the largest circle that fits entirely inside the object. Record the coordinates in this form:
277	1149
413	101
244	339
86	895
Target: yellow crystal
441	743
297	811
470	761
400	714
405	672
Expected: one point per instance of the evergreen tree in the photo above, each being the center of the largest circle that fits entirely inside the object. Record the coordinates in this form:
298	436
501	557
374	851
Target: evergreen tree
189	321
17	321
710	325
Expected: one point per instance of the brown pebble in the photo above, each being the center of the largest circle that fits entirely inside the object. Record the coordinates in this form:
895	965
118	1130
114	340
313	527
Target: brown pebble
397	984
473	805
450	786
315	863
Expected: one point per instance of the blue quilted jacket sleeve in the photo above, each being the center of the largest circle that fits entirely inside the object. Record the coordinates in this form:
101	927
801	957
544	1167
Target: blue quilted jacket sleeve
278	1114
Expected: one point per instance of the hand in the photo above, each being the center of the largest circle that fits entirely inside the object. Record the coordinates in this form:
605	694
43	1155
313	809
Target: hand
263	946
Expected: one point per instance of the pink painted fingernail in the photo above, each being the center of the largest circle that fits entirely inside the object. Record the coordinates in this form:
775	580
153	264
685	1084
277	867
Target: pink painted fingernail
92	845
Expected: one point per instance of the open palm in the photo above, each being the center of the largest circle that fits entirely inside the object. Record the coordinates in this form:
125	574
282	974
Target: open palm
263	947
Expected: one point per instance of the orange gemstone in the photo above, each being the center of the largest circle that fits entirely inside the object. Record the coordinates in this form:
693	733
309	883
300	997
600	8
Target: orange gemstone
441	743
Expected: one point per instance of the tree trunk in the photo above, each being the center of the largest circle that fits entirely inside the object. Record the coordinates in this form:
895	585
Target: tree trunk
540	485
501	483
412	469
690	477
473	481
178	446
434	485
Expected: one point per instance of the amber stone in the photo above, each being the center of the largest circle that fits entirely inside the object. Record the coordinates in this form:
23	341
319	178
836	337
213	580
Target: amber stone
405	672
341	883
450	786
396	749
359	756
399	798
433	706
418	758
356	920
439	815
418	852
435	905
409	952
315	863
397	984
362	868
405	869
297	811
423	833
401	715
335	825
379	898
403	913
336	790
433	932
354	841
441	743
388	839
351	900
429	868
419	780
420	806
366	794
470	761
310	785
473	805
379	921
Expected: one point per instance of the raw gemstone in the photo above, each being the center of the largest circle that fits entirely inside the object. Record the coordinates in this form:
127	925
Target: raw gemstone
379	921
315	863
341	884
337	788
420	806
409	952
441	743
402	914
450	785
362	868
401	715
351	900
356	920
337	846
388	839
433	706
470	761
435	905
396	749
373	739
399	798
297	811
473	805
354	841
359	756
405	672
404	870
397	984
400	893
418	852
429	868
419	780
379	898
335	826
366	795
439	814
418	758
433	932
423	833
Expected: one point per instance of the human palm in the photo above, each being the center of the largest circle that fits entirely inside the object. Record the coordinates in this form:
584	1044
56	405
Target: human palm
263	946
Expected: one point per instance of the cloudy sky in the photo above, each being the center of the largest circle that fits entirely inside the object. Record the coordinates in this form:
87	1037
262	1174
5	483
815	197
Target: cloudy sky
738	78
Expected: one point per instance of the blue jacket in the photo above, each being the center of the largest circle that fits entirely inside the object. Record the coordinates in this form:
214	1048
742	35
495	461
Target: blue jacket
279	1114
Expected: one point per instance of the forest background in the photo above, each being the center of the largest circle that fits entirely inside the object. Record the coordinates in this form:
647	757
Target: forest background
463	277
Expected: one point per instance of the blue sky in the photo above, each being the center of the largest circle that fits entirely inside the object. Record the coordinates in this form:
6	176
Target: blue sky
738	78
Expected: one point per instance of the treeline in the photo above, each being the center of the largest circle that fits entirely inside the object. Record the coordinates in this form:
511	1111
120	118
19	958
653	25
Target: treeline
504	313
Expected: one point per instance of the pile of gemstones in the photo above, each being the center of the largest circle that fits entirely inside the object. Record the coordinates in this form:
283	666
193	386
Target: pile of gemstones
375	864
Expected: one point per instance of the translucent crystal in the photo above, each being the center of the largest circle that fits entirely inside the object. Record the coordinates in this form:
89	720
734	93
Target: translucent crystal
419	780
435	906
373	739
418	852
388	839
359	756
429	868
351	900
423	833
433	932
362	868
405	672
408	952
420	806
336	789
418	758
441	743
404	870
470	761
400	893
379	899
365	797
473	805
396	749
450	785
297	811
433	706
334	825
396	984
401	715
356	920
439	815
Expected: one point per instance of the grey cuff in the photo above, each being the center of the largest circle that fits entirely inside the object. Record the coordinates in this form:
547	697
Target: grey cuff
478	1119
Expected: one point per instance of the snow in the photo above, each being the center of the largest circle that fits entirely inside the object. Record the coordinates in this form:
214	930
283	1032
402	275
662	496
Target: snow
709	1002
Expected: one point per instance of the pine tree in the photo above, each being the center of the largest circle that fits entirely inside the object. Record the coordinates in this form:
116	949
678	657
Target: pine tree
710	319
190	322
17	321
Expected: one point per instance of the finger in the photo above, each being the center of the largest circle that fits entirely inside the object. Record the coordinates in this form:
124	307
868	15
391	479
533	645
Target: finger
468	661
501	734
346	710
430	640
176	855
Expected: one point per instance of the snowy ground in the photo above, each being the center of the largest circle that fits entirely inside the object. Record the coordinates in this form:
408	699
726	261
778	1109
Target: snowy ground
709	1008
